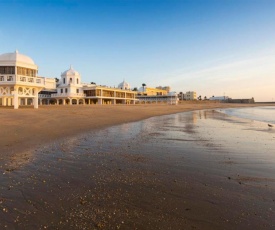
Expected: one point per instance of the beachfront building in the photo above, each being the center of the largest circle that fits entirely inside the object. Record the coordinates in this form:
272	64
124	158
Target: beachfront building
219	98
71	91
103	95
181	96
156	95
20	85
226	99
19	82
190	96
147	91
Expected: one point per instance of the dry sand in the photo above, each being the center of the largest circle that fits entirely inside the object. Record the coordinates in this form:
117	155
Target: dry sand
100	182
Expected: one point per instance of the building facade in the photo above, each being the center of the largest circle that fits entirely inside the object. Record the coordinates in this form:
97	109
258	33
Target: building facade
190	95
20	85
156	95
19	82
71	91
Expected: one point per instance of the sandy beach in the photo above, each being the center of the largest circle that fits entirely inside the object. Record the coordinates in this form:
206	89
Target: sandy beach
110	167
26	128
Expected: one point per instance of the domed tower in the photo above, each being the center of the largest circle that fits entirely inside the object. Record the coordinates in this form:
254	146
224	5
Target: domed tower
70	77
69	89
124	85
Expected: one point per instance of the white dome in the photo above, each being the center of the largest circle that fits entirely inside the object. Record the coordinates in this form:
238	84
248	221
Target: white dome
124	85
142	89
16	57
70	72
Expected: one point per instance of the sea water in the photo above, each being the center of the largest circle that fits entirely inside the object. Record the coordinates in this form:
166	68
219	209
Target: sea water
263	114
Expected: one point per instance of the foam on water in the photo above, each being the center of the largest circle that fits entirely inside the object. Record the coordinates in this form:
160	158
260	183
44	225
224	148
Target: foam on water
263	114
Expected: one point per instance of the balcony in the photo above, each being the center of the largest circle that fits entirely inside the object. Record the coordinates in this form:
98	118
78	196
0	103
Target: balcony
68	95
20	79
44	96
36	81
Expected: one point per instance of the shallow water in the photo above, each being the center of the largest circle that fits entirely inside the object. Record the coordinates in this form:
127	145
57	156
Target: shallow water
264	114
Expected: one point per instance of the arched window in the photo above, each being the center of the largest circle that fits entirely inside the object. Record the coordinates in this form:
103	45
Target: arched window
71	80
64	80
77	81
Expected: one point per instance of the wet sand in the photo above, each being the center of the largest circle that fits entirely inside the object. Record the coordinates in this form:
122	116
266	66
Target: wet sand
194	170
26	128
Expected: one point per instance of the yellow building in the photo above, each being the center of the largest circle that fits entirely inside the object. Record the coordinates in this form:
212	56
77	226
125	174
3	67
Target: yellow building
146	91
95	94
156	95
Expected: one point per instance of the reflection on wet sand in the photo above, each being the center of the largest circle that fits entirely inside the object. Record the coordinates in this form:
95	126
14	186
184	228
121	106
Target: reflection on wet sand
194	170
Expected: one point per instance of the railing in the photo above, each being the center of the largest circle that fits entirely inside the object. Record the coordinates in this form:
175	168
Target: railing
22	79
44	96
68	95
31	80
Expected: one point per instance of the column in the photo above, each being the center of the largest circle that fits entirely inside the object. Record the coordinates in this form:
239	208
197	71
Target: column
4	101
35	99
15	99
99	101
26	101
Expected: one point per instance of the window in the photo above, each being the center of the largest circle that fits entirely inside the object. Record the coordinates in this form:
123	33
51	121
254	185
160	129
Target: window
77	81
71	80
64	80
77	91
66	90
61	91
2	78
10	78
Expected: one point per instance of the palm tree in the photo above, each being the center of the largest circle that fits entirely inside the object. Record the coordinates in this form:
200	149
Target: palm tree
143	85
135	89
199	98
205	98
93	83
56	80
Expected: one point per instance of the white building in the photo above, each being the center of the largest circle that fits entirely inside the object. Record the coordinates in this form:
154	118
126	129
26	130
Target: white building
69	88
219	98
20	86
19	83
190	95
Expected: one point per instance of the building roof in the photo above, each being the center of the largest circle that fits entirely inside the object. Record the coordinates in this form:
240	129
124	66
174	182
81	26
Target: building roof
16	57
124	85
71	72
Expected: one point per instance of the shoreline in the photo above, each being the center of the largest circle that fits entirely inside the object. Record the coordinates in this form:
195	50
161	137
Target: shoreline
25	129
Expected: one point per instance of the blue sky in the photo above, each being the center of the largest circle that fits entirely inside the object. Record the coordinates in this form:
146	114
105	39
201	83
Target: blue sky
213	47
